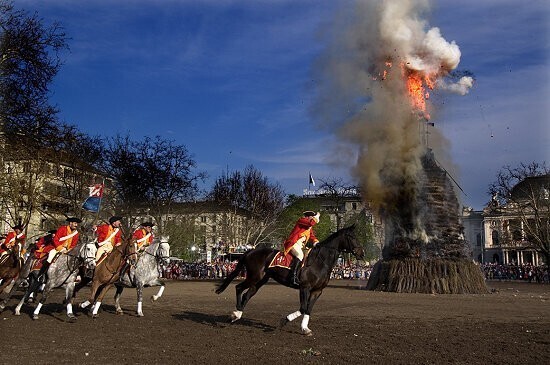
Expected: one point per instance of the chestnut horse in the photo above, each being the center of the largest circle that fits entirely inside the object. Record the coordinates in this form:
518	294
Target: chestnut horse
108	272
10	267
314	275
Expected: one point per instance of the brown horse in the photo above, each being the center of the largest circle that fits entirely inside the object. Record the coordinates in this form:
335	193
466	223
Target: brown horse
108	272
10	267
314	275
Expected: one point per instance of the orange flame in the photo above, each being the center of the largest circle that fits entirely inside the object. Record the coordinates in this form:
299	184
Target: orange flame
417	89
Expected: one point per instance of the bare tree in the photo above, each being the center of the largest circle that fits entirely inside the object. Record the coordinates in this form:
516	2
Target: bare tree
251	191
150	175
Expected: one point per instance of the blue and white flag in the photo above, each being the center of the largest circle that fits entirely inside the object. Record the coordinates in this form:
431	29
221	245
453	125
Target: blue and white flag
93	202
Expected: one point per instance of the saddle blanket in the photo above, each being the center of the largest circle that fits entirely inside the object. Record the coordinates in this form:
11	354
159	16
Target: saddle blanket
281	260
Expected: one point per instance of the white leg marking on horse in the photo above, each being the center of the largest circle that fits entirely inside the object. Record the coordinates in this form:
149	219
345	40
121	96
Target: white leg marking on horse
139	310
18	308
236	315
84	304
37	309
31	295
159	294
293	316
96	308
305	322
69	308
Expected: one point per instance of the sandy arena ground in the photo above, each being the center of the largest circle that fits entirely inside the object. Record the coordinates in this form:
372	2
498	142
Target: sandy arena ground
190	325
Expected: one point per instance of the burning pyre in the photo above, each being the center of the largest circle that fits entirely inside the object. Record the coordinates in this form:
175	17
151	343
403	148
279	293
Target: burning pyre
380	70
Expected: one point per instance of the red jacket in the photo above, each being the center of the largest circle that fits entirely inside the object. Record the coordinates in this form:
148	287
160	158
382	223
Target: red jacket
142	237
11	240
303	228
106	232
43	246
65	237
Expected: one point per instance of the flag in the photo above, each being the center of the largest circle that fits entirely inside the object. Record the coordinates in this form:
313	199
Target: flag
93	201
311	181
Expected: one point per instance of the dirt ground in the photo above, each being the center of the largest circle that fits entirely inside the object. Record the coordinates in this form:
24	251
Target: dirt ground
190	325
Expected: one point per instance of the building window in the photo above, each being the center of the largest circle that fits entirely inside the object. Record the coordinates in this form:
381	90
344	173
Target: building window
203	219
354	206
478	240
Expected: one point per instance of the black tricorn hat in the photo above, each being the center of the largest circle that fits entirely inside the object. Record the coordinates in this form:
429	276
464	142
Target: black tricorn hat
52	231
115	218
74	219
309	213
147	224
18	226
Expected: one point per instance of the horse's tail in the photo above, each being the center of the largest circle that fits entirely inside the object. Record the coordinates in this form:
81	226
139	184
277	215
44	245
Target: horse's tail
232	275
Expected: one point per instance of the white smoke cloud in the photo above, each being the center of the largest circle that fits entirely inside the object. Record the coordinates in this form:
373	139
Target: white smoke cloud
461	87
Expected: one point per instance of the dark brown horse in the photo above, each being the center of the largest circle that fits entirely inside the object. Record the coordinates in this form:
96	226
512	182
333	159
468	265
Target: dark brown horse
108	272
10	267
314	275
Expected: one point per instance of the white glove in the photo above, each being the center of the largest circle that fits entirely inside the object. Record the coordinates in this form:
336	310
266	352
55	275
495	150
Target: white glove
317	217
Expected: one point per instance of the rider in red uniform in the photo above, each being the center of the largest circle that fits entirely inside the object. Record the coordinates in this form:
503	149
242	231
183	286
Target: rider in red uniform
15	237
44	245
108	236
301	234
64	240
143	236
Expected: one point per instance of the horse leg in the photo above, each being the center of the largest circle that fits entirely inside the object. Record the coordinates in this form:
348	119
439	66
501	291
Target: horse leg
69	300
139	292
34	283
119	289
99	298
243	299
159	294
305	307
43	299
11	292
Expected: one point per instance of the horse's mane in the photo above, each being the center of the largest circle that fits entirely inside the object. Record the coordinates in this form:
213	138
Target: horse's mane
327	241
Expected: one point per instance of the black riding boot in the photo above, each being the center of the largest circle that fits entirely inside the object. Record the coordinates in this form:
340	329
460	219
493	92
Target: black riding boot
43	269
295	279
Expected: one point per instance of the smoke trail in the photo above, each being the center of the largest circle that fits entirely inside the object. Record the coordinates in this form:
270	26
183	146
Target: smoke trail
380	57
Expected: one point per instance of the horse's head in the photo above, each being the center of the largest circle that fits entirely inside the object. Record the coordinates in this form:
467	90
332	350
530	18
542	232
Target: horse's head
130	252
350	244
163	253
87	255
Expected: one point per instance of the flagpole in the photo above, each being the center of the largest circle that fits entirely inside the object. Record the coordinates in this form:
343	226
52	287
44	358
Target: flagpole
100	199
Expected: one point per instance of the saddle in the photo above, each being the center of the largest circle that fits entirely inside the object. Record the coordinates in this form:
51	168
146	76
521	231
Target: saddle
282	260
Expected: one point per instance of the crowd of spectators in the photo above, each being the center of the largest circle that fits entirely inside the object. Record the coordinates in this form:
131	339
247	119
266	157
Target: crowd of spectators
180	270
527	272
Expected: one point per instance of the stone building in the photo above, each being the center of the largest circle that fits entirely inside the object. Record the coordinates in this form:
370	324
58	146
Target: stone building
513	229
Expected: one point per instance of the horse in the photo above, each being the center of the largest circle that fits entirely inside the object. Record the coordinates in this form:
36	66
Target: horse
23	275
145	273
62	272
10	266
107	272
314	275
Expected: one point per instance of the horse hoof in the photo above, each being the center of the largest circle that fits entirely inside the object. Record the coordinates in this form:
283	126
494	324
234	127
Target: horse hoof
140	314
95	316
283	322
35	317
153	298
307	332
236	315
17	313
31	300
72	317
119	312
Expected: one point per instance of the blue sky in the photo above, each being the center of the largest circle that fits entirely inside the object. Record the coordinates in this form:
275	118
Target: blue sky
233	81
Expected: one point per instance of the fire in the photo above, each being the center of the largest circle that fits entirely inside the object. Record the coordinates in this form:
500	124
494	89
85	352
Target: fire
417	89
